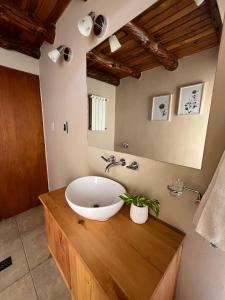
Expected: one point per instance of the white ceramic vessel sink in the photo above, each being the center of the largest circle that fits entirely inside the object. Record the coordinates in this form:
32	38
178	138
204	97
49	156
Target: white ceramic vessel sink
95	198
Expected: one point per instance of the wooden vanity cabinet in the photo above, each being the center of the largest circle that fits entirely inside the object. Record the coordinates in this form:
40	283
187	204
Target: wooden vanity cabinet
58	247
91	264
75	274
84	285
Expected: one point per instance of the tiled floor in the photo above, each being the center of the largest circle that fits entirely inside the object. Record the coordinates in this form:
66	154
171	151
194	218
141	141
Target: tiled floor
33	274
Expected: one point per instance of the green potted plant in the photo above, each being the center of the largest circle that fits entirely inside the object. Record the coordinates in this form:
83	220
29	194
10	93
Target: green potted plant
139	207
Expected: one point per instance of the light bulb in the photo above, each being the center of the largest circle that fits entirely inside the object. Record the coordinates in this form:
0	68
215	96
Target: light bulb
114	43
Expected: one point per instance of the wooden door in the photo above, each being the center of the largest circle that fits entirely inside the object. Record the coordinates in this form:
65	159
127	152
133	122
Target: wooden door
23	173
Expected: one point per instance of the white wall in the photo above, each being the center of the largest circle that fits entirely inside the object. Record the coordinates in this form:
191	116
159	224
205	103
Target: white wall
18	61
64	95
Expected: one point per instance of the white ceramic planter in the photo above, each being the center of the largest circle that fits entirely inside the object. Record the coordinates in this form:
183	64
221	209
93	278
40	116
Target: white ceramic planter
138	215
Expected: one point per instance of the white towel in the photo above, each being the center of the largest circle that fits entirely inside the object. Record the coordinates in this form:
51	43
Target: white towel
210	216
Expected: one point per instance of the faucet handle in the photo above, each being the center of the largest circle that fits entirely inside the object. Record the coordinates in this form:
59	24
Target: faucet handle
110	159
122	162
133	166
105	159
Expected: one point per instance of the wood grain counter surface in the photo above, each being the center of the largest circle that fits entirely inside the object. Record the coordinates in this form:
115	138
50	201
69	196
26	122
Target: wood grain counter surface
121	255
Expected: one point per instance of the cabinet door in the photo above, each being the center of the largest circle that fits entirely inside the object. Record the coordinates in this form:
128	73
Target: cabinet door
84	285
58	246
167	285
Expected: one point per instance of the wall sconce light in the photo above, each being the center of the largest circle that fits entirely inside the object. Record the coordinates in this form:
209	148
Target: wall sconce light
114	43
89	22
86	24
55	54
199	2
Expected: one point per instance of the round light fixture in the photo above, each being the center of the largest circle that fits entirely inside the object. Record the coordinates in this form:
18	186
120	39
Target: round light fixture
85	24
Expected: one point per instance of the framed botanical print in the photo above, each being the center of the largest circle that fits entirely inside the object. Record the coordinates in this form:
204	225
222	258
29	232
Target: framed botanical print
190	99
161	108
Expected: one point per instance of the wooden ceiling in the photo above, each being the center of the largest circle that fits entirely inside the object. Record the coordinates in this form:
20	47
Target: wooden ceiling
26	24
164	33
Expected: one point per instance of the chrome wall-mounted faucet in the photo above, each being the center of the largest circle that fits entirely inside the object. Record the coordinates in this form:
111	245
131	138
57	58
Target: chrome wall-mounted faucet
121	162
112	162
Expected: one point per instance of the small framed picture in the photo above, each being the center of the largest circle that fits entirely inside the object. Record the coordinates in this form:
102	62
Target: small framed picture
161	108
190	99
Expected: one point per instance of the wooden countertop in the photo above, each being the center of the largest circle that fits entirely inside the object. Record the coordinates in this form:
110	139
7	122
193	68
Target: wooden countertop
119	253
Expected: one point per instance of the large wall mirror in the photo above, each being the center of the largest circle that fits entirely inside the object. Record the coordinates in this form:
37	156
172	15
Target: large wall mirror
150	84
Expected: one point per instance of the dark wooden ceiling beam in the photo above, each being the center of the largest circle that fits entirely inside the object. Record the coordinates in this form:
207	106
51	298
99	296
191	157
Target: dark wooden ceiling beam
102	76
111	64
13	44
214	13
58	9
14	15
164	57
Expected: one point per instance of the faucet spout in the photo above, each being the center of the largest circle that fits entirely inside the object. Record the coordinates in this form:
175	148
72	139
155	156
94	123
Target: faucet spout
109	166
121	162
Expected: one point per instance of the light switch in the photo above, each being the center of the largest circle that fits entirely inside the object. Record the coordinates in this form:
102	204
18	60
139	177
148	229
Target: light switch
53	126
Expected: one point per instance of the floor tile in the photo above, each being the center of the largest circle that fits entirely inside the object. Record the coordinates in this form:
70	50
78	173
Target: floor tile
22	289
8	230
36	247
30	219
49	283
19	265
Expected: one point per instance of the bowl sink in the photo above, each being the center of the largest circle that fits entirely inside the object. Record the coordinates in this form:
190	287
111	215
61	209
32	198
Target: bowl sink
95	198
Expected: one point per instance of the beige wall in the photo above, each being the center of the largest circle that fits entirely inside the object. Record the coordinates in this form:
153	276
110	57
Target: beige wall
181	140
64	89
221	4
19	61
64	95
103	139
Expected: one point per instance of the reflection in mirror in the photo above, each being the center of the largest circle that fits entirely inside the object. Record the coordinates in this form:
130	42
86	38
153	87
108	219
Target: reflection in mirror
158	84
